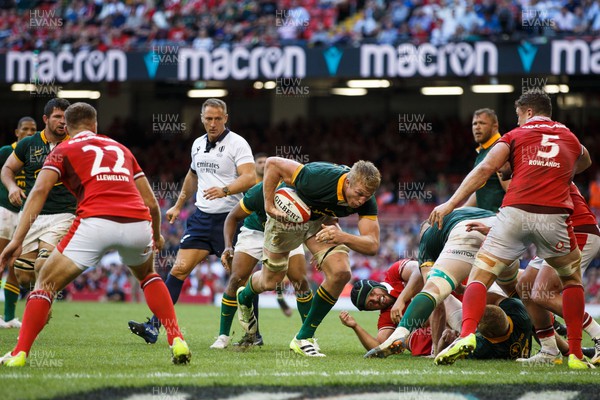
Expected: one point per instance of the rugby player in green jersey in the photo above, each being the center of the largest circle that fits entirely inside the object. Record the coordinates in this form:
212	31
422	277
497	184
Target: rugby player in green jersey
331	191
58	212
8	215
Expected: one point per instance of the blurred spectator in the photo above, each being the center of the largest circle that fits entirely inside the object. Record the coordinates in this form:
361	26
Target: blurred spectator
564	21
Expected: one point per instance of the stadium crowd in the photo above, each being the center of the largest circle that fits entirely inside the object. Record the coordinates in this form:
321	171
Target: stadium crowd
207	24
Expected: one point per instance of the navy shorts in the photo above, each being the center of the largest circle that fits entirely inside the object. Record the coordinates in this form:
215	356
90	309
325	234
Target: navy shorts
204	232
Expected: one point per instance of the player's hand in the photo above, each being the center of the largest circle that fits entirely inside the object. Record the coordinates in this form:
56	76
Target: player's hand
16	197
227	258
330	234
347	319
9	255
159	244
448	336
396	311
438	214
273	212
172	214
214	193
478	226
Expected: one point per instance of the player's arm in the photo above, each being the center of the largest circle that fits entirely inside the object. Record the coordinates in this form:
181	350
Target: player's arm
365	338
190	185
368	241
583	162
143	186
245	180
235	216
504	175
411	276
471	201
35	202
11	167
495	159
277	169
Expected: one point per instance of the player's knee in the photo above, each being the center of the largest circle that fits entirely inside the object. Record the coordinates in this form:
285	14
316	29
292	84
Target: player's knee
439	285
236	281
490	264
25	279
339	277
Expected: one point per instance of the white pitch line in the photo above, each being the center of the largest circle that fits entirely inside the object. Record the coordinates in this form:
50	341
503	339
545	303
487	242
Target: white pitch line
402	372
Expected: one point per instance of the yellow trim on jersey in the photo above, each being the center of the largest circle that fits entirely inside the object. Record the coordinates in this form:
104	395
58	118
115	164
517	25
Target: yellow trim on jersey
490	142
426	264
45	140
340	188
15	154
244	207
296	172
13	145
503	338
371	217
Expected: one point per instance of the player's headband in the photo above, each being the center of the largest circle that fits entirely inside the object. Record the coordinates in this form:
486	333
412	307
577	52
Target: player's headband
361	290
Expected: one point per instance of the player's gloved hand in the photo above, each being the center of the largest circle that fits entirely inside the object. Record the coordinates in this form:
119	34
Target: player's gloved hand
227	258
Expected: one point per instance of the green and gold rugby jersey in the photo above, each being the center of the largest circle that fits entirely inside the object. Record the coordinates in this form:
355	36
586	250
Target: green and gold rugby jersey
516	343
5	152
491	194
32	152
320	185
433	240
253	203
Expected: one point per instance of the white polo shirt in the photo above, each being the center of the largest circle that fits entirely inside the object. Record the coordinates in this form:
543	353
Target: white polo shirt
218	167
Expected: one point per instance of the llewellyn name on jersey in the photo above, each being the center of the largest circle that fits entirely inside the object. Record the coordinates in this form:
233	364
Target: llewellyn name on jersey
105	177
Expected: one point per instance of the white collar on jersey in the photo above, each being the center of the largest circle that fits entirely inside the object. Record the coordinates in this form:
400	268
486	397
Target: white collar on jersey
538	118
83	133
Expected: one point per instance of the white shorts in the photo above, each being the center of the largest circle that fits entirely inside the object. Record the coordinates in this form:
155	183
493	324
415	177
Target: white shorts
49	228
462	245
8	223
516	229
251	242
588	243
90	238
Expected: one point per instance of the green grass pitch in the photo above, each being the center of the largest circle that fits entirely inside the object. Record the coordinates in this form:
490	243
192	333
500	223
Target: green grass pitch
88	346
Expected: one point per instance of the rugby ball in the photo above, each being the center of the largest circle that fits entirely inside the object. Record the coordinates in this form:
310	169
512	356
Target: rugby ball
288	202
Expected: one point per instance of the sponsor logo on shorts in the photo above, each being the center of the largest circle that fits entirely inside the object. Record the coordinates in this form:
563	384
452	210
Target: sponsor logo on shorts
463	253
